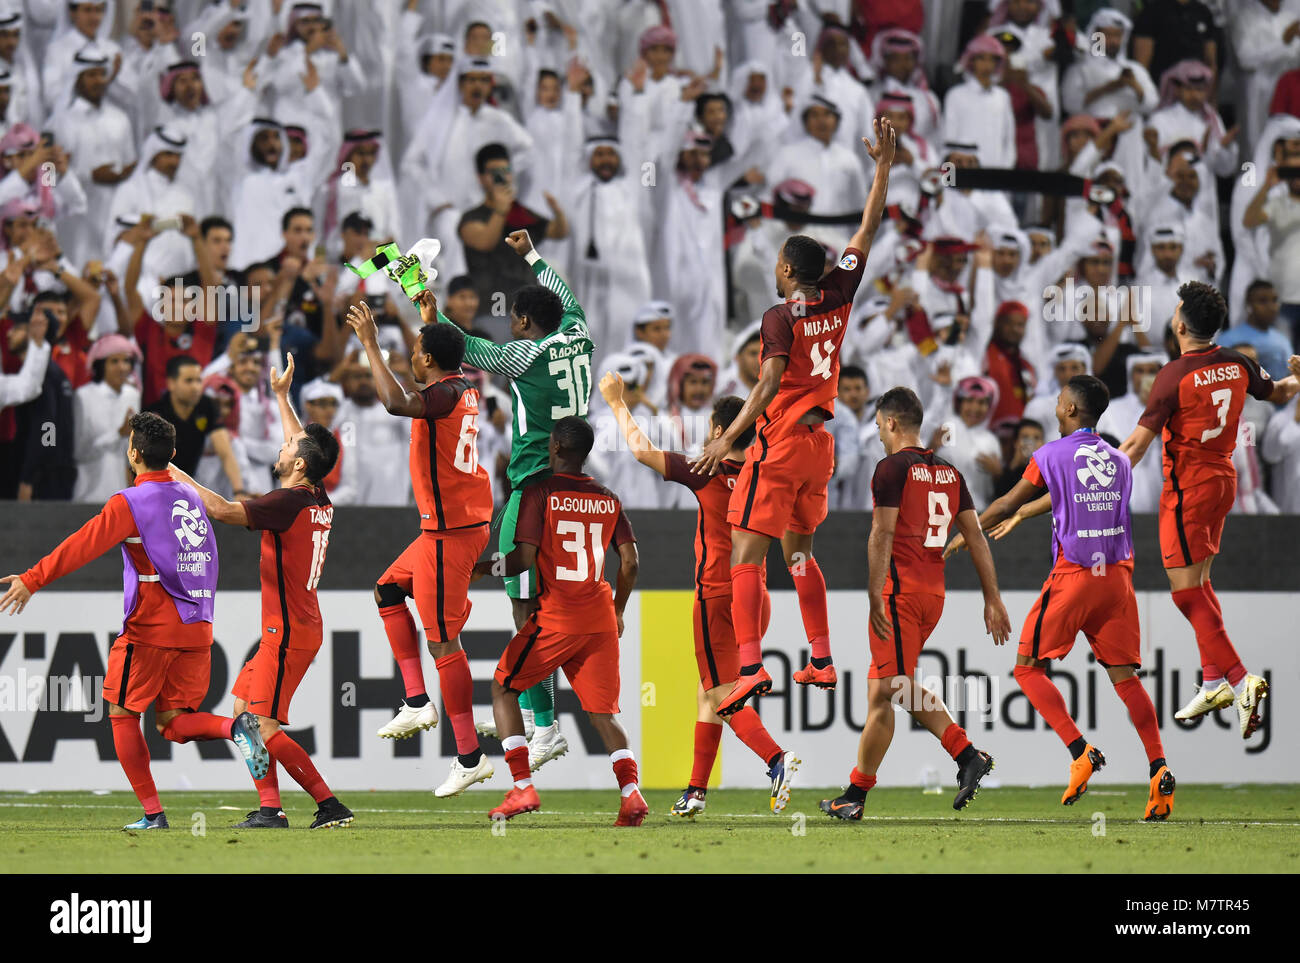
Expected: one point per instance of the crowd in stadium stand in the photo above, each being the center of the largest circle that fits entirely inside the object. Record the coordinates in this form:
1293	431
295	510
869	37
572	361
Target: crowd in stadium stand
184	182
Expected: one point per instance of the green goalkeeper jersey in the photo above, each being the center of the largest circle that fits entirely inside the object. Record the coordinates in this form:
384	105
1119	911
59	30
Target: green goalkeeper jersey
550	379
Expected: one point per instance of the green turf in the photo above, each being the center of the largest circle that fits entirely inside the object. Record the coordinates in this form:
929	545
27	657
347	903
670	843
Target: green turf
1005	830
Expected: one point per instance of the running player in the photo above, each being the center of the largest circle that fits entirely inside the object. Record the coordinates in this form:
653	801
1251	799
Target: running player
454	498
716	655
915	493
164	653
1090	587
781	491
1196	404
548	365
295	522
566	524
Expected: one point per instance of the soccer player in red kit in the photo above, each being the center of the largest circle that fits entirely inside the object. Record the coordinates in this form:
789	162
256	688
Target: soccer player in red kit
454	498
716	654
295	521
163	656
566	524
917	496
1196	404
781	491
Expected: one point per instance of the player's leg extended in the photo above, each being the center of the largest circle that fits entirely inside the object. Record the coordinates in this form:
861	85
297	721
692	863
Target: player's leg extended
184	685
522	795
810	586
876	736
632	807
748	550
391	592
927	708
133	756
708	734
330	812
1142	713
538	704
270	809
1046	698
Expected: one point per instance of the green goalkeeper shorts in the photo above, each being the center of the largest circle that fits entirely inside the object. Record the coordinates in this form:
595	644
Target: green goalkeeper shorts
523	585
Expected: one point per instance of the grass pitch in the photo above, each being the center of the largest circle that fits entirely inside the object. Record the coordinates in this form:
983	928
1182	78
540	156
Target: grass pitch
1004	830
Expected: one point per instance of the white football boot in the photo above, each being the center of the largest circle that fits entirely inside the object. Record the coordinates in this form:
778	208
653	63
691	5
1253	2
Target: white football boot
489	728
1203	702
409	721
1253	691
461	778
547	744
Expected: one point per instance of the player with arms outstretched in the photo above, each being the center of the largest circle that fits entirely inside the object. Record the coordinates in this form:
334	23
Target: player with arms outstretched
917	497
454	498
716	654
295	521
163	656
1090	588
1196	405
548	365
565	526
781	491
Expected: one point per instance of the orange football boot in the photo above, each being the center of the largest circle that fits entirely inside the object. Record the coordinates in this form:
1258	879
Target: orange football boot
821	678
1081	771
517	801
760	683
632	810
1160	803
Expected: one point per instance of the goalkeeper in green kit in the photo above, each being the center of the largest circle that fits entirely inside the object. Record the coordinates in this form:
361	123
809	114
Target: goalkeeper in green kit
549	367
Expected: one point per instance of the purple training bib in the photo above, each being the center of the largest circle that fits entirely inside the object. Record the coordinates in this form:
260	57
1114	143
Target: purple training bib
177	536
1090	483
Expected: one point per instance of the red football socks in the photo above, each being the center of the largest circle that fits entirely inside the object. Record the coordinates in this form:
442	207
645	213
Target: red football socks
405	643
863	782
133	754
707	737
1046	698
624	764
458	696
955	740
765	618
810	586
1200	607
268	788
747	592
750	730
1143	714
517	760
200	726
297	764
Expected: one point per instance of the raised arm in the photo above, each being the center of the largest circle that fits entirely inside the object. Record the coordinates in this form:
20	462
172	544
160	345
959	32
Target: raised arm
883	154
218	509
611	387
281	384
397	400
548	277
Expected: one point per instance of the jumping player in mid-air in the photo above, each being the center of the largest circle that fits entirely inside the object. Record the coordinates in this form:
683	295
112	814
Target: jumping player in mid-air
565	526
917	496
1090	587
454	498
1196	403
781	491
716	655
295	521
548	365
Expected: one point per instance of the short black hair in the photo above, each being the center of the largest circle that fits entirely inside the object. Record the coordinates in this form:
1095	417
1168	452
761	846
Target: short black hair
574	436
357	221
1092	395
702	101
488	153
175	364
154	437
212	222
1203	308
1024	423
725	410
445	343
852	371
477	23
293	212
49	294
540	305
903	406
806	256
267	265
459	283
319	452
548	72
1256	285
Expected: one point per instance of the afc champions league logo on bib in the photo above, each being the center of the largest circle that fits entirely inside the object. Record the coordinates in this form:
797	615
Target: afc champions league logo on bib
1100	468
191	526
849	262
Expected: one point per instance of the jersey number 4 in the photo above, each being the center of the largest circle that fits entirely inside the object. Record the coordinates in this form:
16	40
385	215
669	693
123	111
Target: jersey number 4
573	377
936	535
577	545
1222	400
821	363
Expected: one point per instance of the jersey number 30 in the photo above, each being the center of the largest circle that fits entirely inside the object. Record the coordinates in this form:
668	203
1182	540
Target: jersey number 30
578	546
936	536
575	381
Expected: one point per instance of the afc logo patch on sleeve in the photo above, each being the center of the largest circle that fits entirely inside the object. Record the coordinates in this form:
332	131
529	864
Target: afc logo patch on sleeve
849	262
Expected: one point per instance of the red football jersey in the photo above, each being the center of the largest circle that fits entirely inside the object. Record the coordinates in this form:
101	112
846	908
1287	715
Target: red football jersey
295	525
452	489
572	520
712	531
808	334
1196	403
928	493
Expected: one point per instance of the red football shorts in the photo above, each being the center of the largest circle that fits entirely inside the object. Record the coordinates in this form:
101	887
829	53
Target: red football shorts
913	618
269	679
716	652
1191	520
1102	607
783	485
590	663
435	571
139	675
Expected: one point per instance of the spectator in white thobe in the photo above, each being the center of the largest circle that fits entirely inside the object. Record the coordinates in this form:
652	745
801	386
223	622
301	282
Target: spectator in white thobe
102	418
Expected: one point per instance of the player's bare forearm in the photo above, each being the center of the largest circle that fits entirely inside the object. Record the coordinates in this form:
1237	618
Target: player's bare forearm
226	455
396	399
640	446
289	422
968	523
1039	506
874	209
1136	444
880	543
1284	390
218	508
769	383
520	559
629	566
